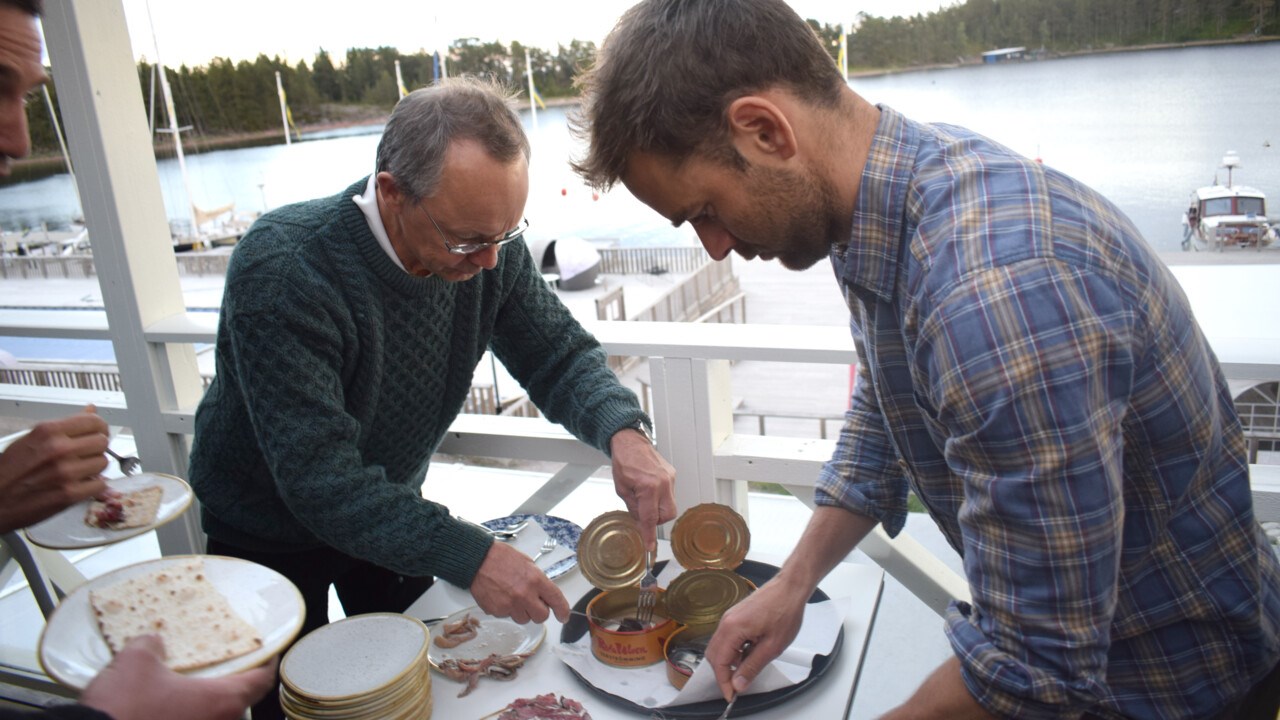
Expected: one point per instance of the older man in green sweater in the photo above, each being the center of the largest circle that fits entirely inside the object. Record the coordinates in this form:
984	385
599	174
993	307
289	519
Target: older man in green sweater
349	331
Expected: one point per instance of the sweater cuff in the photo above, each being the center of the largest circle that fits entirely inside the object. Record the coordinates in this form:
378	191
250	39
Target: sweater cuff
622	419
463	549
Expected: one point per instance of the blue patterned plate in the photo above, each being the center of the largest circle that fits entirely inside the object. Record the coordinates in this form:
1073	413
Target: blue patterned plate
564	531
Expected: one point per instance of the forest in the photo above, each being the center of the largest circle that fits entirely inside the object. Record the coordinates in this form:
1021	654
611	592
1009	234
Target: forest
239	99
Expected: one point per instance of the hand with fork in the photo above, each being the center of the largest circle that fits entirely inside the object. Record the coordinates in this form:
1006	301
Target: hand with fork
128	465
58	463
755	632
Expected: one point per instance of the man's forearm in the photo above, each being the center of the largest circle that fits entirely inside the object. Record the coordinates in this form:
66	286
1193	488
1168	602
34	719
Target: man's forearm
831	534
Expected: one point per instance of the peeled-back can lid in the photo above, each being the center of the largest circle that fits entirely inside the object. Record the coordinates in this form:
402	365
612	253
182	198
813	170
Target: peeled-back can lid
699	597
710	536
611	552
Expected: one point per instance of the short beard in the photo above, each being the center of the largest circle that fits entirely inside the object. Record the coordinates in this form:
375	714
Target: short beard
802	209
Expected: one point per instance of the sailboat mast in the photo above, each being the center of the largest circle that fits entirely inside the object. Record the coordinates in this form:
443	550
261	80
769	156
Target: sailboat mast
533	103
844	50
177	146
62	143
400	88
152	102
190	206
284	111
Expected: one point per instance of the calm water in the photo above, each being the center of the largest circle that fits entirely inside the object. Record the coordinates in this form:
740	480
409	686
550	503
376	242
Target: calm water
1143	128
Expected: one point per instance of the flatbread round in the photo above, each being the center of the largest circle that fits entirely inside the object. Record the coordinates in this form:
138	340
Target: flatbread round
180	604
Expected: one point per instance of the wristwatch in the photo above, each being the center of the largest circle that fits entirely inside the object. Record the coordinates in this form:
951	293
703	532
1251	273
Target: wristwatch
642	428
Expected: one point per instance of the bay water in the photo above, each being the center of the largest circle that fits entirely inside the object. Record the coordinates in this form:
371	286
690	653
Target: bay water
1145	128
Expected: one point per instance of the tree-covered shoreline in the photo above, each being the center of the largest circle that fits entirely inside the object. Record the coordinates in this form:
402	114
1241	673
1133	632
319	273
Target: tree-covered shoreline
236	104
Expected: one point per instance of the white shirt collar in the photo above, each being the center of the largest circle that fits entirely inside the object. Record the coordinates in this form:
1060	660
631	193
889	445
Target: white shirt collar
368	204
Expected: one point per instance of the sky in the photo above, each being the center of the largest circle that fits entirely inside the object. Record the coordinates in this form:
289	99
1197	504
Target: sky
193	33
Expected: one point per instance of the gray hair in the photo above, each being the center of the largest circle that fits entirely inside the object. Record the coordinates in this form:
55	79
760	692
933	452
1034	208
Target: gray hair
427	121
669	70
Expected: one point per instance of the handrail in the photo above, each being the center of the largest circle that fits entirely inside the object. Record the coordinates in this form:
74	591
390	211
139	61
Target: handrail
614	261
727	341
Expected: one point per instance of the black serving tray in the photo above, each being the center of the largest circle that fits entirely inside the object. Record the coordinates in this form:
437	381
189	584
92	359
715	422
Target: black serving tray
756	572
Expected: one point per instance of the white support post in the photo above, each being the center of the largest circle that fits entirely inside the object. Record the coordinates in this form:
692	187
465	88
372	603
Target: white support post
58	569
13	548
776	459
919	570
110	146
693	410
556	489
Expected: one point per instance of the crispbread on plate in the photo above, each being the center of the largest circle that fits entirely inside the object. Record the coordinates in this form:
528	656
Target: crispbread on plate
178	603
116	511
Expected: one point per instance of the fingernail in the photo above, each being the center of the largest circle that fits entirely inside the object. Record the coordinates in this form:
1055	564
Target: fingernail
739	683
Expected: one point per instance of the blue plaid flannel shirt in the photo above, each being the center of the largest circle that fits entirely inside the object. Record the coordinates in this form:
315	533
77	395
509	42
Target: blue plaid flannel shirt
1033	372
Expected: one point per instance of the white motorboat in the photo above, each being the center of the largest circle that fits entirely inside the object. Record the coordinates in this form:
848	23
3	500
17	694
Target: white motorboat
1223	216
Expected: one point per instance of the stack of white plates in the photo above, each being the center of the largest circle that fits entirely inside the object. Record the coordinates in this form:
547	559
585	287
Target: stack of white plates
366	667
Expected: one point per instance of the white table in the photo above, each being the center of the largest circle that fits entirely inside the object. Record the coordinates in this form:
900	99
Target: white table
831	695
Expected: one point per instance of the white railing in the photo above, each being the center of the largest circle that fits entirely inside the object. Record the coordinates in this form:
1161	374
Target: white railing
690	394
709	294
614	261
78	266
39	267
704	295
655	260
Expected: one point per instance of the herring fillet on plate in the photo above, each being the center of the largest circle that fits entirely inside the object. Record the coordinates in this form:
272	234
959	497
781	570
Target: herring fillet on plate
180	604
544	707
115	510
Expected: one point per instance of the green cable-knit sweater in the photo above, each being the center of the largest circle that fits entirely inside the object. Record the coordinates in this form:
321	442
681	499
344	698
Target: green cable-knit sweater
338	374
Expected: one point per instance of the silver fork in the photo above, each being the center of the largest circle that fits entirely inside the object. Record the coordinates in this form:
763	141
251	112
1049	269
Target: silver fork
741	654
128	465
547	546
647	598
729	707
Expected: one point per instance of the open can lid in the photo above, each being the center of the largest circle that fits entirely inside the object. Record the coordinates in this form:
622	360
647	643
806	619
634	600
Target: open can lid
710	535
699	597
611	552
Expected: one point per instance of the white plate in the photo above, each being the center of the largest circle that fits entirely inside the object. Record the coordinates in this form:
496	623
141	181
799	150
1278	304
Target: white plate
357	656
559	561
72	650
502	636
68	531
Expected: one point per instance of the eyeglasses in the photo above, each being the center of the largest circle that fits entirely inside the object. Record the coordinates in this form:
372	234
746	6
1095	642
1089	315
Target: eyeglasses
468	248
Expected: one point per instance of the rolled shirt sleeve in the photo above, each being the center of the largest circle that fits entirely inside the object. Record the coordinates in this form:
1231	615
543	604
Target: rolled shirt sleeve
863	451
